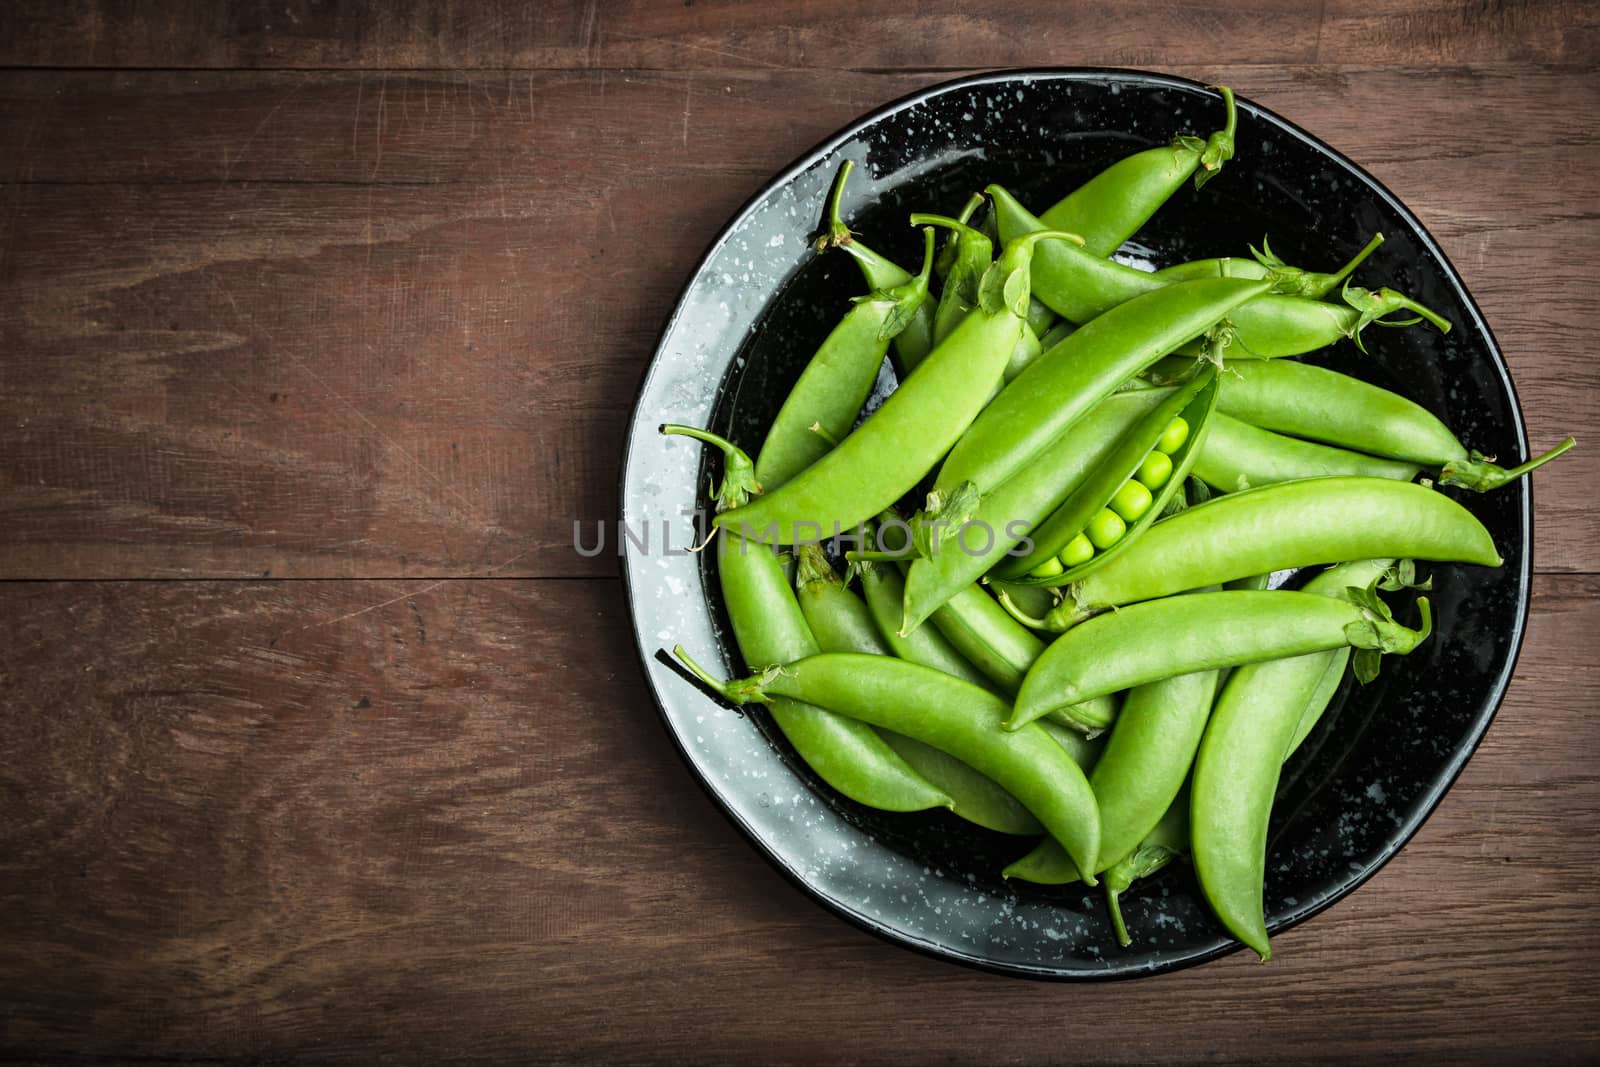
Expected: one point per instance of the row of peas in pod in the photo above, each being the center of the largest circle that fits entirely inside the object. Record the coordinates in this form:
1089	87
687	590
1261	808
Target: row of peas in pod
1071	639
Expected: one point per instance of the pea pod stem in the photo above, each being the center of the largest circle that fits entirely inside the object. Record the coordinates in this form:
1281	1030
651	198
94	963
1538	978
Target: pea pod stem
953	716
739	482
1292	281
971	252
912	344
1480	474
1166	842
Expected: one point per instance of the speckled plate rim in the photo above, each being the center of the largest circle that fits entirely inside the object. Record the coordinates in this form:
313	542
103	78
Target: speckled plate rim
1423	807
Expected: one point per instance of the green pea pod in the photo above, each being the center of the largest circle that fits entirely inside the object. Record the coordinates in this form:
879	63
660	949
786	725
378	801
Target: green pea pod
1165	843
1113	204
1148	757
1067	382
1028	349
1277	527
842	622
953	716
1238	456
1235	776
1203	631
889	453
1324	405
1082	287
1335	581
914	342
1333	667
969	254
1140	772
1293	281
1006	514
972	254
1194	403
769	628
1264	713
885	592
824	403
1085	751
987	637
1041	320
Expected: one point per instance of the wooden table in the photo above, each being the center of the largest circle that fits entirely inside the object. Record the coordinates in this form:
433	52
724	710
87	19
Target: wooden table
318	328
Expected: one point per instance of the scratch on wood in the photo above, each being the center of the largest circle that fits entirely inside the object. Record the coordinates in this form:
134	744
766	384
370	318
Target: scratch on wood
707	49
355	126
586	36
688	88
467	507
424	591
378	127
227	163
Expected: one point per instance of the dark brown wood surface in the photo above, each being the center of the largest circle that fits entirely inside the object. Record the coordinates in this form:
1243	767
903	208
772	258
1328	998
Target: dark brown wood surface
319	323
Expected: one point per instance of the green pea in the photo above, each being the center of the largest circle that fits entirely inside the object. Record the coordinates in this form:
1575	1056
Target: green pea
1079	550
1106	528
1155	470
1176	434
1131	501
1050	567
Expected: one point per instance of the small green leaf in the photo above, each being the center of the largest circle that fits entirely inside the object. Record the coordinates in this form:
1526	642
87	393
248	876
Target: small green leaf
1146	860
1016	293
992	289
1265	256
942	518
1403	575
1368	600
1365	663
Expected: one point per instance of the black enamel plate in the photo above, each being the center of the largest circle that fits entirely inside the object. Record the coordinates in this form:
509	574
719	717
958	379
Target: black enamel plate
758	305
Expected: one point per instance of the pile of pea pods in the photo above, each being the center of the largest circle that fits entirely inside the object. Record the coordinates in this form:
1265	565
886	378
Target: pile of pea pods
1071	637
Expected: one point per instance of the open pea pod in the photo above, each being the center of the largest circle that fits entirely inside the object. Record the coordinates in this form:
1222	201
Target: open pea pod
1194	403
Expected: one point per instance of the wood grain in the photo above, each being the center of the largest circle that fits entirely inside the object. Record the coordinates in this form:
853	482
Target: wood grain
356	819
338	325
329	315
799	34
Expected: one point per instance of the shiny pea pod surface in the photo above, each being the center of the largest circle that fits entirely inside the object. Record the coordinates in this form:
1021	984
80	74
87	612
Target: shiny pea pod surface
1097	491
770	628
1068	381
1277	527
1202	631
842	622
1008	513
1240	456
891	452
954	717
